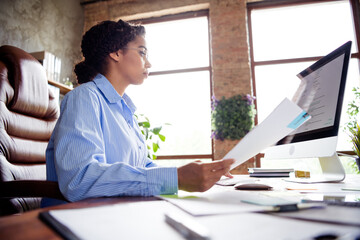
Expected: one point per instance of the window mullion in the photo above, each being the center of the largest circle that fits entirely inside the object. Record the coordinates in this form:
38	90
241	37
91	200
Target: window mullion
180	71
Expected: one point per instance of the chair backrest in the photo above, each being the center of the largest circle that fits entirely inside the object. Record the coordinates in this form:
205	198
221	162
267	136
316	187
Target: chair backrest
28	114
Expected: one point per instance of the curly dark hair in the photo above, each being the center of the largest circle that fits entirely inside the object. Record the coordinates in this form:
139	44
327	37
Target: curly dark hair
101	40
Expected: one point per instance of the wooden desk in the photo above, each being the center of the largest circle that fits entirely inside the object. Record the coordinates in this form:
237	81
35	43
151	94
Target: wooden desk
64	89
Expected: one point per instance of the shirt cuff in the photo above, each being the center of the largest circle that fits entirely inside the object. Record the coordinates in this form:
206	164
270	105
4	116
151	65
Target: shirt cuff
162	180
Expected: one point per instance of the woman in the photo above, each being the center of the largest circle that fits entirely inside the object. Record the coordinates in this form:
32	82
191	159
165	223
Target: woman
97	148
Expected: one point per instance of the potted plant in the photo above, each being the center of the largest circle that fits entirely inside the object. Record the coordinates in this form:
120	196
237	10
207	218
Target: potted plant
152	135
355	139
353	128
232	118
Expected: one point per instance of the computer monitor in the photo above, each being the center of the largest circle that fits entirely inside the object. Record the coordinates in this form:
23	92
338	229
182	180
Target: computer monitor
320	93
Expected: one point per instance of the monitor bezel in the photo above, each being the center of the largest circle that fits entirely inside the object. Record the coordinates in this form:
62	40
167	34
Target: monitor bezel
334	129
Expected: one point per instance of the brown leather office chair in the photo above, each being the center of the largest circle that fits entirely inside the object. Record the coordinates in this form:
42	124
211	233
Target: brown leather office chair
28	113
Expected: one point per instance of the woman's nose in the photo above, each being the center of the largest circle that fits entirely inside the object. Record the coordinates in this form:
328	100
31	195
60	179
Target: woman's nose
147	63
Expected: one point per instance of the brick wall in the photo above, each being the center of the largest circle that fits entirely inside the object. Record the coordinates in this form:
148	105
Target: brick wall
230	60
228	39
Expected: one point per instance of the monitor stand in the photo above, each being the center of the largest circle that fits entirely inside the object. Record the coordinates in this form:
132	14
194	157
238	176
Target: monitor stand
333	171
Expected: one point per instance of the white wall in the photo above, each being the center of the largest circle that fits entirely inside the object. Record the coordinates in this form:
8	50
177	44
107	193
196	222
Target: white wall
51	25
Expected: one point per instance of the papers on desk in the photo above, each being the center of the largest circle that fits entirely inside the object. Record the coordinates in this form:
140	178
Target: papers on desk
224	213
249	226
331	214
230	202
206	206
285	118
138	220
146	220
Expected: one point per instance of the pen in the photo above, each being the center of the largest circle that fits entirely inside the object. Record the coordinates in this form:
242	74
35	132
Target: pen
187	227
303	189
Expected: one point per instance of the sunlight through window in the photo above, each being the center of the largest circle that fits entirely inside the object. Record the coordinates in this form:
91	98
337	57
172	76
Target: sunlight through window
180	98
310	30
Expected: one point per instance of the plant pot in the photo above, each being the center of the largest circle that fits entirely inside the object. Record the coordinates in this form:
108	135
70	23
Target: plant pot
357	160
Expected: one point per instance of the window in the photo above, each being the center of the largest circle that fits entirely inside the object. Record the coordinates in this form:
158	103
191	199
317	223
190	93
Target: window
285	39
178	90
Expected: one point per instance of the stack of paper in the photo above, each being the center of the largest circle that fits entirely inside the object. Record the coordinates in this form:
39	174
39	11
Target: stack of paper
270	172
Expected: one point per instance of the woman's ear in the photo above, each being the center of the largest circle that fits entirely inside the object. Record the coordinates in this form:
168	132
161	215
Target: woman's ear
116	56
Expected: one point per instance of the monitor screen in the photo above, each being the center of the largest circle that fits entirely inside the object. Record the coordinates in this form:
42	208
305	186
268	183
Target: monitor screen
321	94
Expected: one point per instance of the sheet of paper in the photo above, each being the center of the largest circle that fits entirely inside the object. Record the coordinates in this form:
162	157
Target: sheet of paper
202	207
265	226
216	203
283	120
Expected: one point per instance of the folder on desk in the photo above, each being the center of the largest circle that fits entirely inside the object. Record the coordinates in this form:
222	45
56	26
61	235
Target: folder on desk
60	228
117	221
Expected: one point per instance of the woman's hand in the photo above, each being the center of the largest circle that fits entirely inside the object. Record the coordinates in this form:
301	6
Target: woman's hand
199	177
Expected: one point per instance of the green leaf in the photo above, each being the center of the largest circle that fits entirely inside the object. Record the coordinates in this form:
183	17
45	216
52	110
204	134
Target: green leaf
162	137
155	147
156	130
146	133
146	124
152	143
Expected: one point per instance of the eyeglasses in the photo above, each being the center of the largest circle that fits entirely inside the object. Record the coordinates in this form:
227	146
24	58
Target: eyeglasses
142	51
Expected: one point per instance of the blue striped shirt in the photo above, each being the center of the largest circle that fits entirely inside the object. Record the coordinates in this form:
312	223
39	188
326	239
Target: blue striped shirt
97	148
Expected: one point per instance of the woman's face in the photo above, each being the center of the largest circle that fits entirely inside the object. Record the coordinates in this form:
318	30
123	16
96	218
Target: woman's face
134	65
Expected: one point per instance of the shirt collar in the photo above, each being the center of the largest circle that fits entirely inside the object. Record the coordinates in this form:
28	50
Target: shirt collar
111	94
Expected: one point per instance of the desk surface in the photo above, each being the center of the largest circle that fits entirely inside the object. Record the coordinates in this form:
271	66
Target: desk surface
28	224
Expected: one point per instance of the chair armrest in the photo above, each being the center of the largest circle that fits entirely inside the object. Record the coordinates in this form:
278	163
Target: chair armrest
30	188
